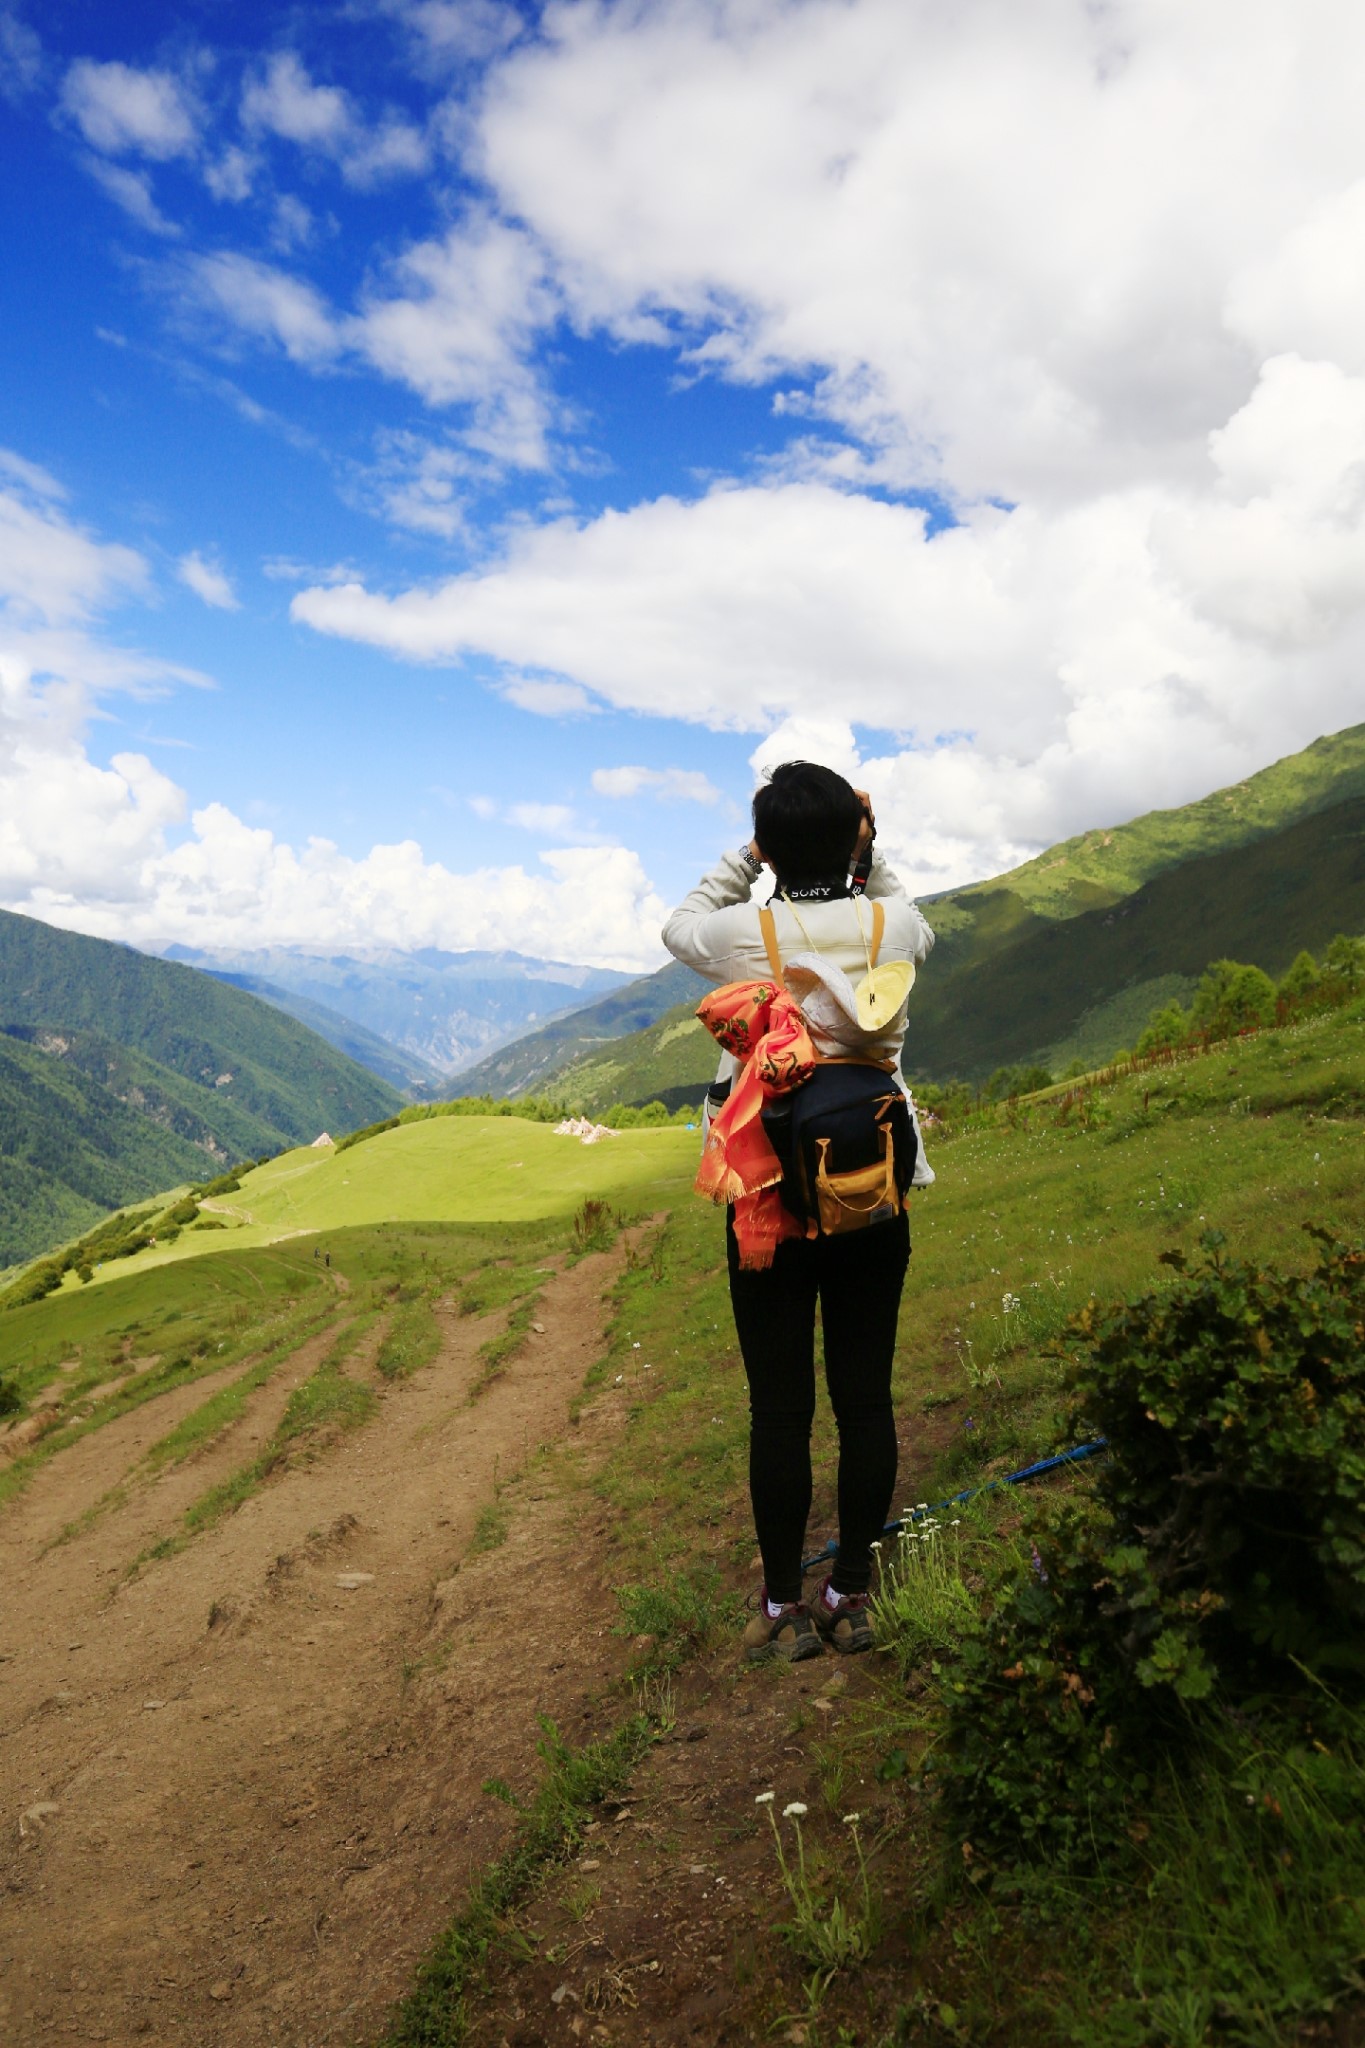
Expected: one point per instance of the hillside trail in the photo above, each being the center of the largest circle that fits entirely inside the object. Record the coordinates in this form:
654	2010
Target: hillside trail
242	1787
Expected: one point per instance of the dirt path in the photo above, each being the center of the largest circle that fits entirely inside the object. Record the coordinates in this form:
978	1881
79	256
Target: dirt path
242	1791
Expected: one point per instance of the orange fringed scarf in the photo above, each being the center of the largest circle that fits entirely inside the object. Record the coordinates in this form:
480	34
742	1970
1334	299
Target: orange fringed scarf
761	1025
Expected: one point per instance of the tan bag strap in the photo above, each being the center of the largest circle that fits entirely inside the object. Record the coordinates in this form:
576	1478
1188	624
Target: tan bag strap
878	927
767	924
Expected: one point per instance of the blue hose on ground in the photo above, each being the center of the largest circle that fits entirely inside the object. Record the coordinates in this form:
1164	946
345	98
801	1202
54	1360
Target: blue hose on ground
1071	1457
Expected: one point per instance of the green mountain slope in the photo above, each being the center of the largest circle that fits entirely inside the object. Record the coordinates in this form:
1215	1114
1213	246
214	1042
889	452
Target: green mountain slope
1102	866
70	1150
122	1075
220	1038
1108	968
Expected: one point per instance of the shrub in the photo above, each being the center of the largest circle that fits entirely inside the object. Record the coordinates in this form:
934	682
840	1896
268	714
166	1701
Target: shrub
1301	981
1008	1081
595	1225
1222	1558
1343	964
390	1123
1166	1029
40	1280
1233	997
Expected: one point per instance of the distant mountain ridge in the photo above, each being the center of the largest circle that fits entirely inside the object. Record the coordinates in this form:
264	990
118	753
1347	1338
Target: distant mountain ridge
439	1009
121	1075
406	1071
1063	957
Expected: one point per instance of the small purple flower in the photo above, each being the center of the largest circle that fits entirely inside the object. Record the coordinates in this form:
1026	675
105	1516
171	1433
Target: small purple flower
1037	1562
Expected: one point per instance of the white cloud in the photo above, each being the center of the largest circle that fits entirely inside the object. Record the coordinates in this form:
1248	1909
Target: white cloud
284	101
21	58
548	697
685	785
1041	673
454	32
453	320
456	322
266	302
38	482
208	581
105	849
118	108
52	573
132	190
1002	245
548	821
232	176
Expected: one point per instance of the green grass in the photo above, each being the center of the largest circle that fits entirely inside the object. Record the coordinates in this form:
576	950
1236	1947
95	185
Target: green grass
435	2013
497	1353
464	1170
411	1340
492	1527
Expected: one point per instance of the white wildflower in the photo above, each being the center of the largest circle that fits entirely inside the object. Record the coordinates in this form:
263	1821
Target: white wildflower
851	1819
765	1799
794	1811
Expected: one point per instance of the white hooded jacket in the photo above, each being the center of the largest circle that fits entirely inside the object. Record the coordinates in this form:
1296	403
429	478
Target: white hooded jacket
715	930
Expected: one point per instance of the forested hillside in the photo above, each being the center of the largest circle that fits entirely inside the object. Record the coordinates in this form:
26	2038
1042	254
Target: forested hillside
122	1075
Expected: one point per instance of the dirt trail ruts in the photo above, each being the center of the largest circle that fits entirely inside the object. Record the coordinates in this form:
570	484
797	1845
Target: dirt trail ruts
239	1797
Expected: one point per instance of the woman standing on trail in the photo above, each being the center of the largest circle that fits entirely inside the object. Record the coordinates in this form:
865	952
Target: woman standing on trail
815	831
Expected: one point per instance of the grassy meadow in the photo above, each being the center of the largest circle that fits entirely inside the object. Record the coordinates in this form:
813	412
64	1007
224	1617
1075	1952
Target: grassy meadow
458	1170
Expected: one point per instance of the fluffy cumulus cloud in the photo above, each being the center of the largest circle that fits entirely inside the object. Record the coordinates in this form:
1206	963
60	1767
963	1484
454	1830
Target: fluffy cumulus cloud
113	850
229	883
1089	275
119	109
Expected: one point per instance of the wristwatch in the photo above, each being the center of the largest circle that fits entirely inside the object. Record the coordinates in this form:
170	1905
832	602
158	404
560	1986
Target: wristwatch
755	867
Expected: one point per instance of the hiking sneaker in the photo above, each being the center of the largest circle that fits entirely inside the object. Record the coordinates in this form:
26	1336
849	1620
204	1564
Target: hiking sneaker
847	1627
790	1634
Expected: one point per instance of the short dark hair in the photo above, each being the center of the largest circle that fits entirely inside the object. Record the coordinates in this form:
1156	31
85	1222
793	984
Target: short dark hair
806	820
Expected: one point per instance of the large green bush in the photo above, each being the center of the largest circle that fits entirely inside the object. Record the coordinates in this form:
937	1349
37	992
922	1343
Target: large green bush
1221	1560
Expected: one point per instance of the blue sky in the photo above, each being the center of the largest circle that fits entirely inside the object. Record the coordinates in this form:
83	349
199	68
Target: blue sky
454	446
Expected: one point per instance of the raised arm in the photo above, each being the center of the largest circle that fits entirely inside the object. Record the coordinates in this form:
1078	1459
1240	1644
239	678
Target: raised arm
696	933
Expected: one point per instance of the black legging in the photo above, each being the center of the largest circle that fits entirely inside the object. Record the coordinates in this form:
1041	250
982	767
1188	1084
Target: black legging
857	1279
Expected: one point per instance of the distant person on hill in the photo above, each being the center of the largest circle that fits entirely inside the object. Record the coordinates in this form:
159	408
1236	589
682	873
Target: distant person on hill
815	832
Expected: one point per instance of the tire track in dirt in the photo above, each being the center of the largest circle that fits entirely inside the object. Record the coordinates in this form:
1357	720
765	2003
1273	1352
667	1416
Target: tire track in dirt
260	1823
